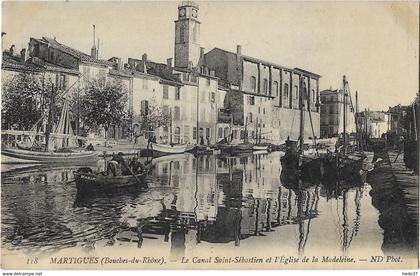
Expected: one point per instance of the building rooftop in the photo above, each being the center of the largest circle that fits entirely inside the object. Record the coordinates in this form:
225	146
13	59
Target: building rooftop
15	63
52	42
258	60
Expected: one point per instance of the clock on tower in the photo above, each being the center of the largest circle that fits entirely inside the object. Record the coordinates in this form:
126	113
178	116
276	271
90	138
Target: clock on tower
187	35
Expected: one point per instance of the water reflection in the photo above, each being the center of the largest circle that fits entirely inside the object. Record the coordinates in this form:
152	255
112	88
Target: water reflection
191	202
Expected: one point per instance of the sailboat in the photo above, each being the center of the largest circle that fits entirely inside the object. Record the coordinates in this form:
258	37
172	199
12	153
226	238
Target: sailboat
346	162
60	145
296	162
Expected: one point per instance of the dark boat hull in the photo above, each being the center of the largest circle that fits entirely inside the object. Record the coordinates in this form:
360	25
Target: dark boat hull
307	168
201	150
89	181
343	168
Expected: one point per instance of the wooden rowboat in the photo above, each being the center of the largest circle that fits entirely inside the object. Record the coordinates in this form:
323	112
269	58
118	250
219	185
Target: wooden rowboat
88	181
14	155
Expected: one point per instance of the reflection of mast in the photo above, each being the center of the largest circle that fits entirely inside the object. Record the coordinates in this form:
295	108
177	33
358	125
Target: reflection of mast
289	203
196	189
311	212
170	173
268	215
237	229
300	218
279	206
257	207
345	225
357	201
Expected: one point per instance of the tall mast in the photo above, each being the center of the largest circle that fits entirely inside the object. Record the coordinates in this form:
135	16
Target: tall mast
344	113
50	119
198	112
170	126
356	117
302	115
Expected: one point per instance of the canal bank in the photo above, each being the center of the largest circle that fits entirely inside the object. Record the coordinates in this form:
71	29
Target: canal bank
395	194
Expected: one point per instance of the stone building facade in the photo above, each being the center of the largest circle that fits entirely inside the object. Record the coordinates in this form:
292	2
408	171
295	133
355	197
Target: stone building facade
332	117
271	94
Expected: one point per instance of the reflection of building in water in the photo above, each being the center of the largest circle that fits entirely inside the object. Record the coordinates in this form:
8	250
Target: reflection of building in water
196	193
221	200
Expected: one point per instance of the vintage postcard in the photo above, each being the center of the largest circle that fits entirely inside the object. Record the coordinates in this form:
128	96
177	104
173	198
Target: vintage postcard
209	135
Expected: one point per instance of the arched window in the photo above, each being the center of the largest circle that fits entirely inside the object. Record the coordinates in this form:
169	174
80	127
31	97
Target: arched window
265	86
296	92
286	90
276	88
253	83
250	117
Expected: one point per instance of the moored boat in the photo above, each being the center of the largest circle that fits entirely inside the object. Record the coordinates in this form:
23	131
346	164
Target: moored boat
13	155
257	147
163	149
201	150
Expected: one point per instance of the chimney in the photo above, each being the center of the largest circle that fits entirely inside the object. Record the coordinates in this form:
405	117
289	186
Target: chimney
144	60
169	62
118	65
202	53
93	51
212	73
23	55
238	51
239	65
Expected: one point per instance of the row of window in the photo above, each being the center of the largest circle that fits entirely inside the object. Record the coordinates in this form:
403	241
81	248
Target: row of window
166	93
145	109
253	82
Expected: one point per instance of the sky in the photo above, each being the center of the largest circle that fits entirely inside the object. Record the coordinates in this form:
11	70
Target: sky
375	44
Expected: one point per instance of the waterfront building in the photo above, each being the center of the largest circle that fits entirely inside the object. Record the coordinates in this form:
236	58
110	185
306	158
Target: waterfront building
332	119
265	96
47	51
377	123
396	115
46	73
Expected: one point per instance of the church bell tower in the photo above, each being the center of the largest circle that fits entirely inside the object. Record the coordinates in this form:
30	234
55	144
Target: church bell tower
187	36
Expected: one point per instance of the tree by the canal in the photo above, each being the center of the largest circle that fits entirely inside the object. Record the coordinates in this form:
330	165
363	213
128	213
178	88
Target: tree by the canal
24	101
103	103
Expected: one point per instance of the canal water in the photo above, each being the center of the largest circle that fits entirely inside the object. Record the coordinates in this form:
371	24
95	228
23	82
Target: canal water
206	204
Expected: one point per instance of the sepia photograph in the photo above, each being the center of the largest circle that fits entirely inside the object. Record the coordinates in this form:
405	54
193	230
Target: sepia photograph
209	135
